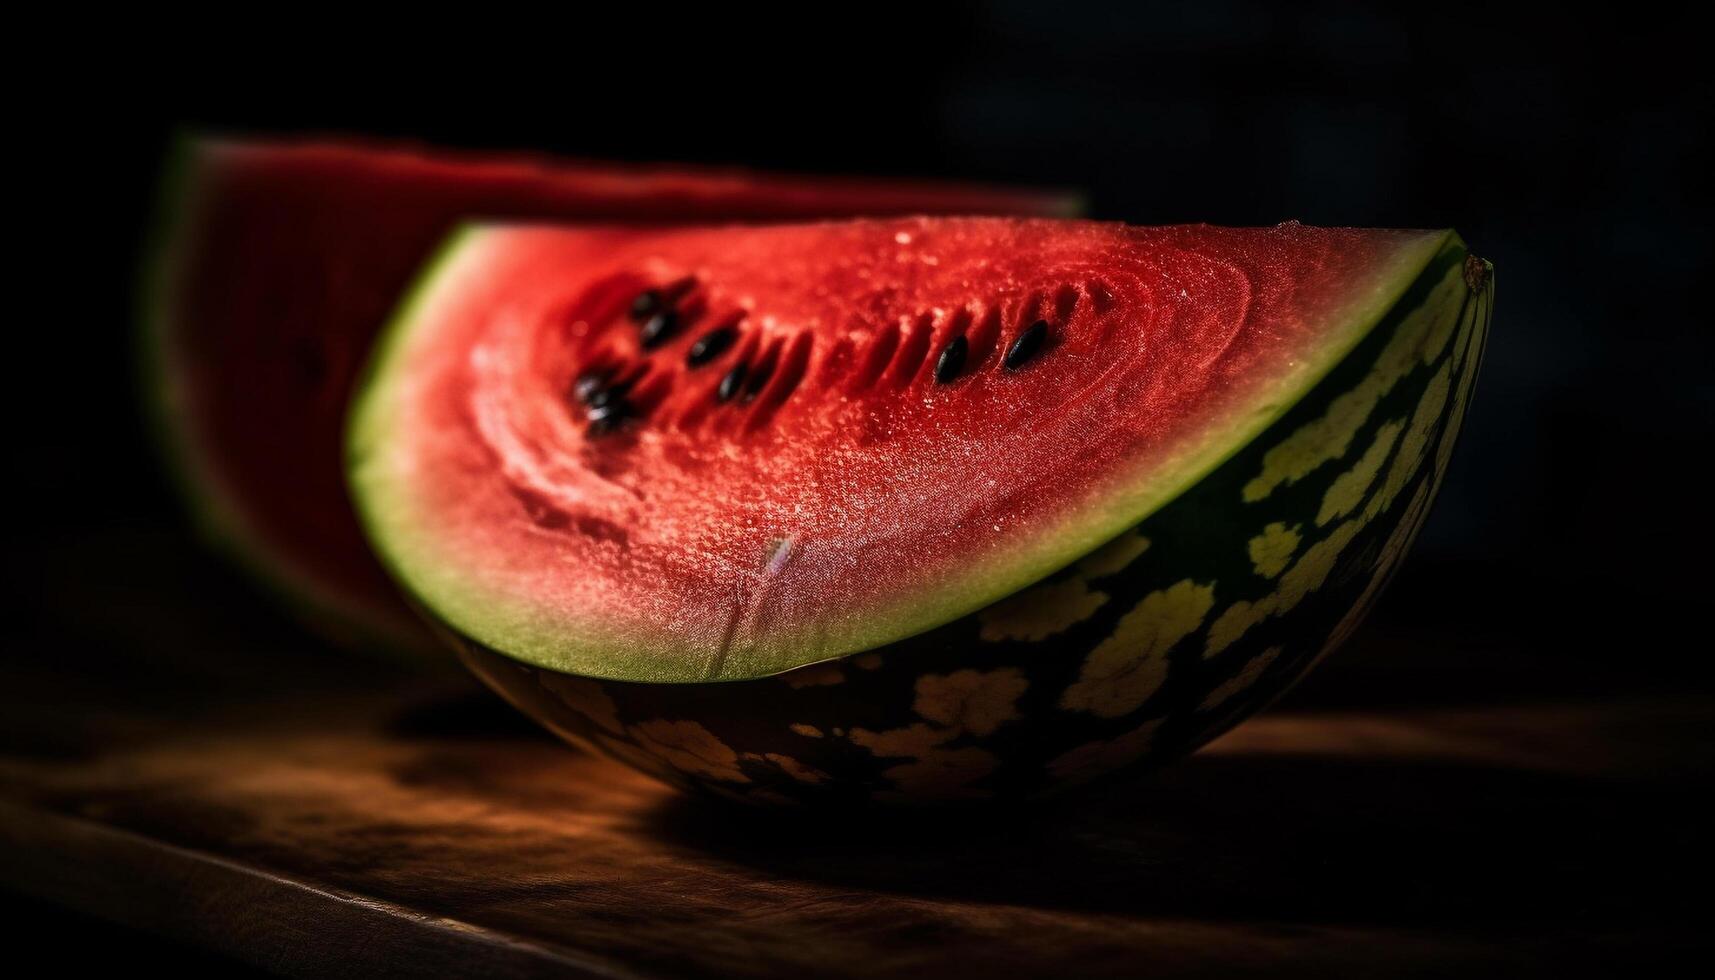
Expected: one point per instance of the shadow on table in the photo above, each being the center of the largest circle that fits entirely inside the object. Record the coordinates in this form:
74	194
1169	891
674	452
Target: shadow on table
1266	837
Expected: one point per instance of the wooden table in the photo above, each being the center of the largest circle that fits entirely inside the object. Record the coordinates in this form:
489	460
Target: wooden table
315	815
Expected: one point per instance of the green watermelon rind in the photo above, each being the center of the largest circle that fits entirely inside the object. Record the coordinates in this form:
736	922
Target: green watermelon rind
503	623
213	511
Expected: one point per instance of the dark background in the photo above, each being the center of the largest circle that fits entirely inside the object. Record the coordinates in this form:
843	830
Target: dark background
1570	551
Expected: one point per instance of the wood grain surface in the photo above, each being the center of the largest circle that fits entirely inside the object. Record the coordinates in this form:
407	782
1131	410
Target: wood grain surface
413	831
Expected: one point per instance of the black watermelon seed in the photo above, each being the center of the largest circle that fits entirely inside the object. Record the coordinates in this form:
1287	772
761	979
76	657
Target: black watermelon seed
730	384
659	328
608	417
952	359
588	385
710	346
758	380
604	397
645	305
1027	346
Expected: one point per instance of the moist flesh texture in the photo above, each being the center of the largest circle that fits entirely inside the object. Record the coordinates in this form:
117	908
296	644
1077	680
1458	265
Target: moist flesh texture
852	499
279	263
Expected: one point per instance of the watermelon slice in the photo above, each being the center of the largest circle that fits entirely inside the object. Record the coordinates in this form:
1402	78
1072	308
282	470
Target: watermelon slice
908	422
279	263
955	508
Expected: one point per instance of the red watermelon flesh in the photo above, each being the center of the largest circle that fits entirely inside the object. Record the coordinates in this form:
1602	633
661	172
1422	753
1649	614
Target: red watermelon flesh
857	484
281	264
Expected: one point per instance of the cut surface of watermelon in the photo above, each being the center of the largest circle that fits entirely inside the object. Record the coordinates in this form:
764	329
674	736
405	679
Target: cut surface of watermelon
900	423
278	264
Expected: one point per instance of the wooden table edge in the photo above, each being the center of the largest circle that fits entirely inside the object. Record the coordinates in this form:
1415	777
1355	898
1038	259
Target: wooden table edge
272	921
